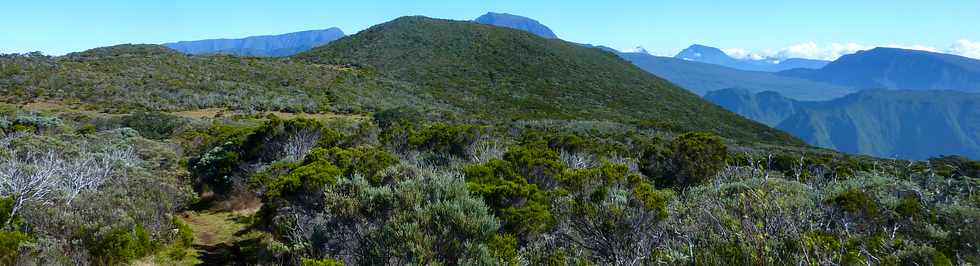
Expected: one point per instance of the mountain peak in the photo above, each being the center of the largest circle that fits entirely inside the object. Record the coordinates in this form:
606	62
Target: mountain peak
516	22
697	52
712	55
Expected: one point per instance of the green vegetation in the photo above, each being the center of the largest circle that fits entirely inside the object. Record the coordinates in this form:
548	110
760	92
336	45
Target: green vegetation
99	167
105	197
346	191
500	74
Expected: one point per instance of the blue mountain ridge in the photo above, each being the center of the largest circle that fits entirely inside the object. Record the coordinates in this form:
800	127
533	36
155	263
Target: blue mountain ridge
516	22
261	46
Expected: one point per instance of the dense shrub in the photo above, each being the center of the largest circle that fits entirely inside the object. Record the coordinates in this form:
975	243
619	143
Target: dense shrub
315	173
323	166
521	206
447	139
154	125
7	220
696	157
430	219
35	122
185	234
11	245
243	152
278	139
217	169
368	162
536	162
688	160
857	202
121	245
955	166
601	211
399	115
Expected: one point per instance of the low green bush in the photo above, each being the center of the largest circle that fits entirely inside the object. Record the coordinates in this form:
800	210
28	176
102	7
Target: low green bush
520	205
121	245
446	138
695	158
365	161
312	174
11	243
856	201
185	234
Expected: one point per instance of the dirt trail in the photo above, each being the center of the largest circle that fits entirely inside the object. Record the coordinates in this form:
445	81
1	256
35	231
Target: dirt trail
219	236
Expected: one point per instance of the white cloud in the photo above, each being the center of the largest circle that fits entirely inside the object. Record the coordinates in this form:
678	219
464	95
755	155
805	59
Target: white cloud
744	54
812	50
913	47
966	48
637	49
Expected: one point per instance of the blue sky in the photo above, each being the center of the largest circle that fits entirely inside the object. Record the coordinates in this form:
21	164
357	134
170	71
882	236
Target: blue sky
811	28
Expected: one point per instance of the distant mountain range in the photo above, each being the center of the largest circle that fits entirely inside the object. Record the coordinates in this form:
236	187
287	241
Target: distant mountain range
887	123
712	55
694	76
516	22
703	77
261	46
892	68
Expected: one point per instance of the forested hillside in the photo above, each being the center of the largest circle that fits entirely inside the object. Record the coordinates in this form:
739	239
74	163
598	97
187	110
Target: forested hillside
492	73
884	123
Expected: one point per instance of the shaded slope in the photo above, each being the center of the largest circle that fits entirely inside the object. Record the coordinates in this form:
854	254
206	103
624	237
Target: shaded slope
498	73
894	68
886	123
767	107
902	124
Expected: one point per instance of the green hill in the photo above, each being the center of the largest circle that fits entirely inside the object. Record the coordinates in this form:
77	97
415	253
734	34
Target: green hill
498	73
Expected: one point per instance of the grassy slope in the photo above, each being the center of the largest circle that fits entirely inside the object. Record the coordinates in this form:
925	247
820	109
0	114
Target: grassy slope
499	74
126	77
